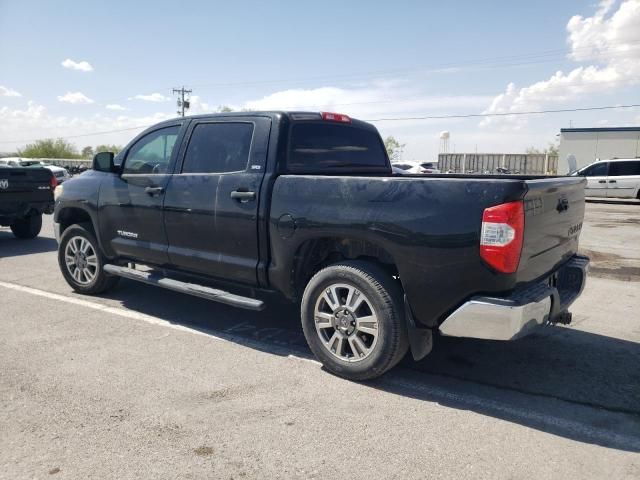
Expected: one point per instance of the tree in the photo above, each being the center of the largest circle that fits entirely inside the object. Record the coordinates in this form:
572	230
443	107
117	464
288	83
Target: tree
394	148
87	152
49	148
108	148
552	149
224	109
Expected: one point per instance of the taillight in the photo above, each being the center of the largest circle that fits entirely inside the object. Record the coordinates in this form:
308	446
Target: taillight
335	117
53	182
502	235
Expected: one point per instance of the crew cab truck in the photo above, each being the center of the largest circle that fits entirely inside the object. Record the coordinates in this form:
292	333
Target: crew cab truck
231	207
25	194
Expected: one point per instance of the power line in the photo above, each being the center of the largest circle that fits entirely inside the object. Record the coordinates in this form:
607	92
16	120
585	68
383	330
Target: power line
501	114
487	61
66	137
517	60
393	119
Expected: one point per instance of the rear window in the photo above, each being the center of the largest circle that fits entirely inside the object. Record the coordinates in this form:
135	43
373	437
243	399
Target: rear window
321	147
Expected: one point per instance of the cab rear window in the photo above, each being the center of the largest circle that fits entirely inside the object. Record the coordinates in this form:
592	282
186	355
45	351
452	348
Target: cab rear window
328	147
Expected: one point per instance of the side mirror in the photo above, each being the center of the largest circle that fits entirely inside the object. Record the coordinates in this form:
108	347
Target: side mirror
103	162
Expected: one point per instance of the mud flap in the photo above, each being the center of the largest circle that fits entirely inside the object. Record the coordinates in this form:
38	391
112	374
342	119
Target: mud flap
420	339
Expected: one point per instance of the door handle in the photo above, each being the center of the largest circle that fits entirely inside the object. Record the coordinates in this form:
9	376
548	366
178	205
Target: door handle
154	190
602	181
613	181
243	196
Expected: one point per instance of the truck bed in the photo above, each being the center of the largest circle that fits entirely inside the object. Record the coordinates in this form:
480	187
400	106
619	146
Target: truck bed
429	225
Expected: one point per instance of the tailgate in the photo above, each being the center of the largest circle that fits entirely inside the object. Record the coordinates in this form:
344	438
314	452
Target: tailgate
554	210
20	186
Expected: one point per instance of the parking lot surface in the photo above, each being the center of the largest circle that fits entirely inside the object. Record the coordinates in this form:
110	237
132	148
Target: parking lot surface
146	383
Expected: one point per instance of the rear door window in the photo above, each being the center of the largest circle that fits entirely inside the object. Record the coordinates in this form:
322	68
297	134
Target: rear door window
323	147
218	148
619	169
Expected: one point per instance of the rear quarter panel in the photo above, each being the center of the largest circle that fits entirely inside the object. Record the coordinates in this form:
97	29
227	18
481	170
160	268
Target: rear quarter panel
429	226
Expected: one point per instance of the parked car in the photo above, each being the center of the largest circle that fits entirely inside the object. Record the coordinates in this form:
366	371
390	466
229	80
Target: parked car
407	167
613	178
60	173
230	207
25	194
429	167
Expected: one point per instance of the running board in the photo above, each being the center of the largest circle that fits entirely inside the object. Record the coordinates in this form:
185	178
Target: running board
184	287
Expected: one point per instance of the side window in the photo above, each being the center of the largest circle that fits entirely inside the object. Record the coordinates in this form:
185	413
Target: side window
152	153
624	168
597	170
218	148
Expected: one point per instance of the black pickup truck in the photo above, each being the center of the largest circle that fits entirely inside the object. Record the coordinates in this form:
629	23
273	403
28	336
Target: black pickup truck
25	194
306	205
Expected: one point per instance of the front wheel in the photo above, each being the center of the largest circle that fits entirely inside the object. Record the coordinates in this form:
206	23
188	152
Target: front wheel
27	227
352	318
81	262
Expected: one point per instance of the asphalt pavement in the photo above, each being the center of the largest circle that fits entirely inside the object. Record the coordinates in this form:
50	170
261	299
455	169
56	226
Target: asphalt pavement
147	383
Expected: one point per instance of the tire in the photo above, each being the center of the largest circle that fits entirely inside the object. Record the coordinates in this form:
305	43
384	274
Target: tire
27	227
374	333
85	275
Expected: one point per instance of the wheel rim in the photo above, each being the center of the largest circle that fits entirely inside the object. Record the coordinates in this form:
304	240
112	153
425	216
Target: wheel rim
346	322
81	260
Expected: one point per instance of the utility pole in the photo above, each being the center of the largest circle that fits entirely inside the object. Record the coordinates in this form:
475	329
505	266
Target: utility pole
183	104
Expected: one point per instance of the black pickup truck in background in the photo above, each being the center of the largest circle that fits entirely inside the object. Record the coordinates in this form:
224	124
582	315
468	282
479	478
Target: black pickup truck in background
306	205
25	194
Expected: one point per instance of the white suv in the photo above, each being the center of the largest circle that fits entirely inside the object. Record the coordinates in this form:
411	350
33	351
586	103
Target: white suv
617	177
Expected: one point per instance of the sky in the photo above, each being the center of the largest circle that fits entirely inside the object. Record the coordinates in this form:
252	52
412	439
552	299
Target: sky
74	69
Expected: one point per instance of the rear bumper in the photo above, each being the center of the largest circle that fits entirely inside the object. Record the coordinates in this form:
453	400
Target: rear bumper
508	318
11	211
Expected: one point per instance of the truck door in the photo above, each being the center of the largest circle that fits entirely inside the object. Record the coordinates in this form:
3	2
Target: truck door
130	211
624	179
211	204
596	179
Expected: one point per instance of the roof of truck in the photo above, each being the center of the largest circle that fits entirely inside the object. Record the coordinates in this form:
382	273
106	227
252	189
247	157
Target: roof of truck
290	114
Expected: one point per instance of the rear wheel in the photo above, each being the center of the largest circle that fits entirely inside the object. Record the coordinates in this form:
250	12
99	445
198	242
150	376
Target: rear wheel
352	317
81	261
27	227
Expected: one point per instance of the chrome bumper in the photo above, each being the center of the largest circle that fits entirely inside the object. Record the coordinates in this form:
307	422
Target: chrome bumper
515	316
56	231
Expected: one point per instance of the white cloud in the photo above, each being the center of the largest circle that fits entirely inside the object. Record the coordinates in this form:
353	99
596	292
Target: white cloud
153	97
198	106
8	92
115	106
33	122
75	98
82	66
609	40
379	100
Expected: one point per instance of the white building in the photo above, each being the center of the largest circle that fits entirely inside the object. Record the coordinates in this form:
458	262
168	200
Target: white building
587	145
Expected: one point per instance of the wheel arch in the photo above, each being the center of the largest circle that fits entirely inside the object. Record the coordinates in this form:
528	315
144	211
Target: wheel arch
316	253
71	215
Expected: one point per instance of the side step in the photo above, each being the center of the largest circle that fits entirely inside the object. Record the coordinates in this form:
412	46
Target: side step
184	287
